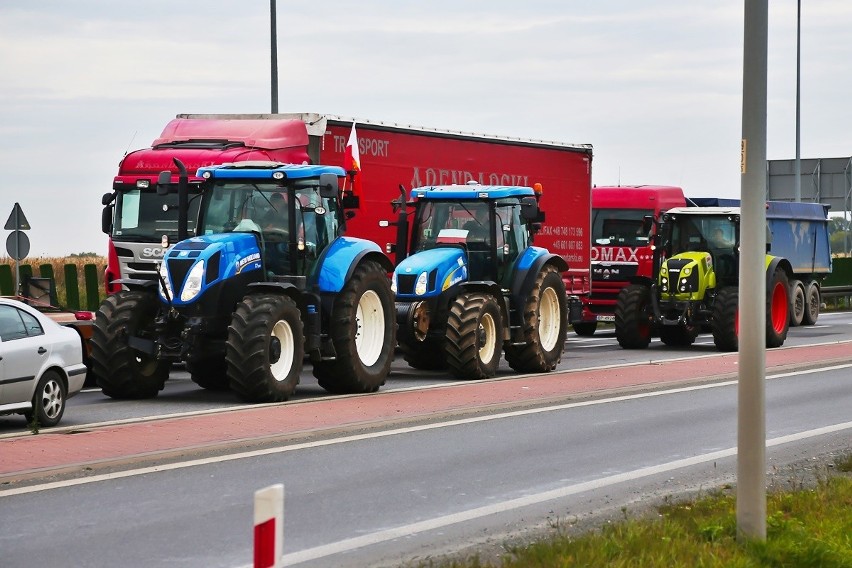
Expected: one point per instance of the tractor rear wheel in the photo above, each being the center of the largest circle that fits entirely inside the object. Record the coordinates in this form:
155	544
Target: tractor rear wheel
121	371
545	326
632	321
812	302
363	331
797	303
265	349
474	336
777	309
678	335
725	324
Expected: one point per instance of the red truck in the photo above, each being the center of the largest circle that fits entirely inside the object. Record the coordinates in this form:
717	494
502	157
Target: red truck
621	249
391	156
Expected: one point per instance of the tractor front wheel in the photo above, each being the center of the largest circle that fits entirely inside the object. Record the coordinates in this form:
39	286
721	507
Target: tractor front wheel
121	371
725	325
266	347
632	320
474	336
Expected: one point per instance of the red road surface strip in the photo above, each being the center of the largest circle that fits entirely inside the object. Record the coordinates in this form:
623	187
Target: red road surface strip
48	451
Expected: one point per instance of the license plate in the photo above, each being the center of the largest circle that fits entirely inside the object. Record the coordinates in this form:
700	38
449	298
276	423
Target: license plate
606	318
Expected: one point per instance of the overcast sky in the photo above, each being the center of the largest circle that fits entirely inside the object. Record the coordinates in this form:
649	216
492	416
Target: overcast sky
654	86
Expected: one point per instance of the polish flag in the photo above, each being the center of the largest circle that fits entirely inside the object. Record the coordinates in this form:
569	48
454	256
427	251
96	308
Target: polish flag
352	161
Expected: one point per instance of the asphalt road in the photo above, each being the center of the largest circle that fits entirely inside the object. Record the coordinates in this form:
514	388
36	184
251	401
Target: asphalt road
183	396
374	499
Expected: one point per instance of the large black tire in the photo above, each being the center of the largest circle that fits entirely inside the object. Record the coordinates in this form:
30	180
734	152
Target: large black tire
48	400
120	371
678	335
797	303
778	309
633	325
725	324
363	331
209	372
585	329
545	326
427	356
265	349
474	336
812	304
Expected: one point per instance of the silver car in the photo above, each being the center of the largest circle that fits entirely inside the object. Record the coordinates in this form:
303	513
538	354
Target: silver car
41	364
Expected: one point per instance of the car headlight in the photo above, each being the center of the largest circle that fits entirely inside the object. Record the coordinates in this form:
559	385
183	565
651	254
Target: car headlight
192	286
420	287
164	276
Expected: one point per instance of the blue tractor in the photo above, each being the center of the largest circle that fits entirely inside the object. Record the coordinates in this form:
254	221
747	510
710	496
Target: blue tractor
268	279
470	285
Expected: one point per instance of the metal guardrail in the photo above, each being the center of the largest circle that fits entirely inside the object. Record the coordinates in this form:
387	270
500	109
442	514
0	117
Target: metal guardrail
835	291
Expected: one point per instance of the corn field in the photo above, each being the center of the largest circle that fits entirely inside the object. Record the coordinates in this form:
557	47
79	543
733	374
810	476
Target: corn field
58	265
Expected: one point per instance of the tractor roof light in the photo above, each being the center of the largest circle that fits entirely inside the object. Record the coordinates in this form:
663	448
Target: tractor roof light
537	189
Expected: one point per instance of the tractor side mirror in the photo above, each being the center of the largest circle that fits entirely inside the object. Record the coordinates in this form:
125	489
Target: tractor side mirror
328	186
530	210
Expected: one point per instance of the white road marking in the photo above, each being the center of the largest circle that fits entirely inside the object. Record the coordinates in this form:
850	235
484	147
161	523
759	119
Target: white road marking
382	434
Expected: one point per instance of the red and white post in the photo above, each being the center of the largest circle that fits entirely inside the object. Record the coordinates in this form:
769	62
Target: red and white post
269	526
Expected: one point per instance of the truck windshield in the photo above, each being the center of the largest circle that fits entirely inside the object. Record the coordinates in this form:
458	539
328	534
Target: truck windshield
619	227
144	216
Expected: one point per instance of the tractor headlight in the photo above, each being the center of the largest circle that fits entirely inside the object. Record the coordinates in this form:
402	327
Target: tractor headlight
164	277
393	284
420	287
686	271
192	286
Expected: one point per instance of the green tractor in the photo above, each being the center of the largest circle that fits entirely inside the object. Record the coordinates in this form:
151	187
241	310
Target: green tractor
695	284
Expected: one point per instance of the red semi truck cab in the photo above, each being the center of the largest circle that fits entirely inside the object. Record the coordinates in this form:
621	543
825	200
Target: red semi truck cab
621	249
391	155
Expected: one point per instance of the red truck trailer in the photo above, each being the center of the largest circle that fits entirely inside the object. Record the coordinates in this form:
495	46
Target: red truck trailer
621	249
391	155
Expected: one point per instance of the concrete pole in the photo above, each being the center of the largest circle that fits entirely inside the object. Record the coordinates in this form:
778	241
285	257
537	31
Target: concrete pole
751	410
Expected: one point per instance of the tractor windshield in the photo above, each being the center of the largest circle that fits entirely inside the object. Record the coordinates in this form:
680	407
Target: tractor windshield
708	233
143	216
452	222
619	227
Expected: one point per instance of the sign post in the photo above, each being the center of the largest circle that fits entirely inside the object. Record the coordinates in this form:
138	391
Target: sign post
17	244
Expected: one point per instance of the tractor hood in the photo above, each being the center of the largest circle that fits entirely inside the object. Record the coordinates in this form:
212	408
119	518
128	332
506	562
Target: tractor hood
687	276
430	272
191	266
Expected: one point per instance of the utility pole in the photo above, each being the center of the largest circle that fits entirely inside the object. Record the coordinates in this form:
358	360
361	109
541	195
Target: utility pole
751	388
273	29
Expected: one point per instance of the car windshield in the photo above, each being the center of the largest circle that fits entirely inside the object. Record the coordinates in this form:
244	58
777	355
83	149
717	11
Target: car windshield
619	227
144	216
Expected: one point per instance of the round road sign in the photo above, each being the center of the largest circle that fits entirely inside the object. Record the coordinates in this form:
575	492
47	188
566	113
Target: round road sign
18	245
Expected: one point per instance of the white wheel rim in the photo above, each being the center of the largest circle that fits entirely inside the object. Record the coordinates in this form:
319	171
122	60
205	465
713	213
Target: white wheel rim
369	328
281	368
548	319
51	399
489	336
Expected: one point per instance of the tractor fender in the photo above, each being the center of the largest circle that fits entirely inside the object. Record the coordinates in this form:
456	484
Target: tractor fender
285	288
527	269
341	257
772	264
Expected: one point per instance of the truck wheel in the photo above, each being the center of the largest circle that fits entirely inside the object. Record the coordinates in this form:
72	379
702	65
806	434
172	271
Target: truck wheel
797	302
812	304
120	371
777	310
545	326
209	372
363	330
427	356
474	336
725	324
678	335
265	349
585	329
48	400
632	322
